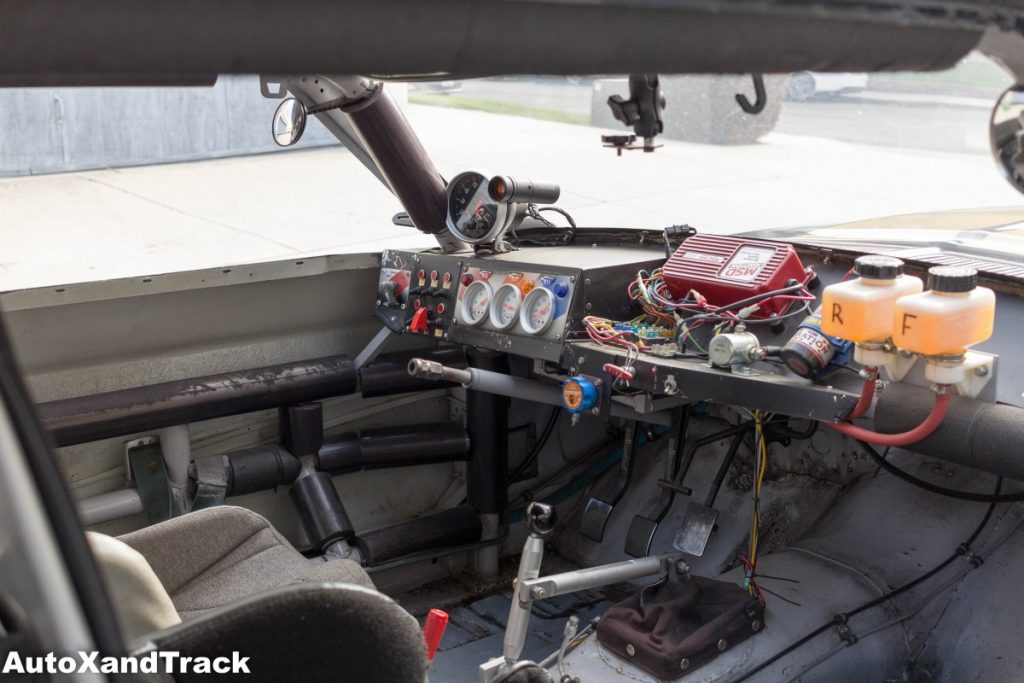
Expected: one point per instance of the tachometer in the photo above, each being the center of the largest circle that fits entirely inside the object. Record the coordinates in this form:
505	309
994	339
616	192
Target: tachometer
505	307
472	215
538	311
475	302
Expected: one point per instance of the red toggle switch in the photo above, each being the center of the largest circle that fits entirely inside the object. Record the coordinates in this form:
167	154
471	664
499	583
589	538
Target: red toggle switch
419	320
433	630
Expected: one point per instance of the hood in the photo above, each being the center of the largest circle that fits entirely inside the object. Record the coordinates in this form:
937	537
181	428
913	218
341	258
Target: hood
990	240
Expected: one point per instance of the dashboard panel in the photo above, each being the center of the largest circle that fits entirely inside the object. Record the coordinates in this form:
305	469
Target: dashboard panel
505	302
532	303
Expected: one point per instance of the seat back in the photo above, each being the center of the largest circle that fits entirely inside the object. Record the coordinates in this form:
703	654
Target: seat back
308	631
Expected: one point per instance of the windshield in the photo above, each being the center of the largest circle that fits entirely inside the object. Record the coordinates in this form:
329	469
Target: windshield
827	149
88	193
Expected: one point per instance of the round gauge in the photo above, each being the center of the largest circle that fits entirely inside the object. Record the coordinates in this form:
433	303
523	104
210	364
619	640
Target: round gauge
505	307
472	215
475	302
538	310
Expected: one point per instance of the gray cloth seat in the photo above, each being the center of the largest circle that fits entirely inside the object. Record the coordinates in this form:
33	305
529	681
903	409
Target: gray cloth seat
240	587
214	557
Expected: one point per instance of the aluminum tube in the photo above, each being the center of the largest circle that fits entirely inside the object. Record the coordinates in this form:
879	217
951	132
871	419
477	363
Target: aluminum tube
594	577
176	446
388	375
519	387
108	506
532	390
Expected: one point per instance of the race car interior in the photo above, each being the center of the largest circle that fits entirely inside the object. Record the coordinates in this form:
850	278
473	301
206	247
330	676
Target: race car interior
546	451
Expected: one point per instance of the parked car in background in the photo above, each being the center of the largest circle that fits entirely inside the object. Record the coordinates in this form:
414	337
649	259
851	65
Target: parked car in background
437	87
804	85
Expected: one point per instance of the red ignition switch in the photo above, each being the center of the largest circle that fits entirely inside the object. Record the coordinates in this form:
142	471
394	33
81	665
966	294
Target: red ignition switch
433	630
419	320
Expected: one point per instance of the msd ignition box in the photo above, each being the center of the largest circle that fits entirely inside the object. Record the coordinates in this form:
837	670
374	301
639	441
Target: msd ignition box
728	269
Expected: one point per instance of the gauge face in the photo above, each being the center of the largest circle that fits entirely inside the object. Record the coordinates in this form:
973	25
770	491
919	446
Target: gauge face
505	307
475	302
472	215
538	311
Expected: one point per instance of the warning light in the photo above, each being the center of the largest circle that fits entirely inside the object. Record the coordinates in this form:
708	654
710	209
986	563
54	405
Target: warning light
498	189
467	280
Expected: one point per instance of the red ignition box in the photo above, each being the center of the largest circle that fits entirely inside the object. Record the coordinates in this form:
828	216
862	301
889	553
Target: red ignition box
729	269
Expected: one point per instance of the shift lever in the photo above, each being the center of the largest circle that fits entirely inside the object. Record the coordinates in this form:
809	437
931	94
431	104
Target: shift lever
540	520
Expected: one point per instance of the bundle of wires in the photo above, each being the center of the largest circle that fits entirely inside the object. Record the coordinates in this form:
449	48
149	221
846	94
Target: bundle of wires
651	291
760	465
602	331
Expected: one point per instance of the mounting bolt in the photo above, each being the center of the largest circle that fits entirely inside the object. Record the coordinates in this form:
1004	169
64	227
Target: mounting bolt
537	592
722	645
684	663
403	307
630	650
755	625
682	567
589	306
595	410
587	282
581	360
981	370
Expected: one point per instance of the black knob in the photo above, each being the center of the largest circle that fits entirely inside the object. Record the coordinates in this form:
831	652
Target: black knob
540	518
952	279
878	267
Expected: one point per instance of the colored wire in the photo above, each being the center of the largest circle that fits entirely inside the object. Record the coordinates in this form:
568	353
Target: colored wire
542	440
963	550
760	465
935	488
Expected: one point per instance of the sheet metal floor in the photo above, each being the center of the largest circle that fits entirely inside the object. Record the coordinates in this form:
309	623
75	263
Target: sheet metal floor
476	630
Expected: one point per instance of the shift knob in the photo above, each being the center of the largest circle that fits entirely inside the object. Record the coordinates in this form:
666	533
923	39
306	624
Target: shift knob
540	518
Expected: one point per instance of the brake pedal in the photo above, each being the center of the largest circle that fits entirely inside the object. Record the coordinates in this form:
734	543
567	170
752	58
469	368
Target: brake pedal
599	509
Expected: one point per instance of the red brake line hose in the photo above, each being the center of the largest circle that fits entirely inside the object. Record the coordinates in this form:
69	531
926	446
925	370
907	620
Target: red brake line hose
867	394
930	424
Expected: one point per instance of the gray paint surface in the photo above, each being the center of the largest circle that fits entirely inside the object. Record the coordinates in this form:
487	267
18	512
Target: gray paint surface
49	130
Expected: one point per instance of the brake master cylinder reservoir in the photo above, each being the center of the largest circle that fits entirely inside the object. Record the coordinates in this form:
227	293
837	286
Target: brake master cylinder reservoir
955	313
861	310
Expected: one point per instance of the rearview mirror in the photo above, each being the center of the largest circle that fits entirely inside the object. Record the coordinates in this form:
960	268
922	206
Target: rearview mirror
289	122
1006	135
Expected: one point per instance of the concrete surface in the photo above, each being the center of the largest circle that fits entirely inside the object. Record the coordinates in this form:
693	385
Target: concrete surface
130	222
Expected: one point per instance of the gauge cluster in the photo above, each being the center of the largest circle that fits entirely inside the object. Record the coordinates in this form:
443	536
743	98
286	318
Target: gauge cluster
516	302
528	302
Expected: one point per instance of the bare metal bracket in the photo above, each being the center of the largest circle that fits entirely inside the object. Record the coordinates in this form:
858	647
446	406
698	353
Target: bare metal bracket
144	462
